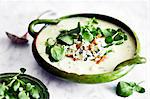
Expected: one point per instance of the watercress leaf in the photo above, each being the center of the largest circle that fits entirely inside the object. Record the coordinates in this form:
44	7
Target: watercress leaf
2	89
68	40
108	45
132	84
139	89
35	93
23	95
118	37
108	32
119	30
57	52
109	39
23	70
125	37
16	85
119	42
70	32
48	49
124	89
29	86
76	30
87	36
50	42
21	89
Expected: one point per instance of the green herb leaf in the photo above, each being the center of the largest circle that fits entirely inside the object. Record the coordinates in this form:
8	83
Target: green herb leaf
108	39
49	42
124	89
118	37
23	95
3	87
57	52
16	85
139	89
108	32
29	86
118	43
87	36
68	40
125	37
35	93
23	70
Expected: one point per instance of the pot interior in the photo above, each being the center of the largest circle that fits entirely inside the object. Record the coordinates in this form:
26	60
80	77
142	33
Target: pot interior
119	53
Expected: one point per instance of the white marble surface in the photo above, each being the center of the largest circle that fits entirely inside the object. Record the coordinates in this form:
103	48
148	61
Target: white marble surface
15	15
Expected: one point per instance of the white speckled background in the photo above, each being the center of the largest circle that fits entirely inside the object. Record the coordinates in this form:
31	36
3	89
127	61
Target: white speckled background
15	15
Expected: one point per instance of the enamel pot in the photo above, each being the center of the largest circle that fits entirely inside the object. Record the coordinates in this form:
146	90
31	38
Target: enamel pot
43	91
120	70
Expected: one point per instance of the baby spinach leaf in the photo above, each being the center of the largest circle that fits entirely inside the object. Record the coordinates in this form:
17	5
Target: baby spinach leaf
124	89
87	36
57	52
109	39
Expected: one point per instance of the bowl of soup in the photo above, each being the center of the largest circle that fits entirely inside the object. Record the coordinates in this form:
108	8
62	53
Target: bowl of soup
85	48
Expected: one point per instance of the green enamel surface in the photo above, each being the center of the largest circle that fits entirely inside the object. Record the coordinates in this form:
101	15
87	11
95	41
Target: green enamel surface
26	78
120	70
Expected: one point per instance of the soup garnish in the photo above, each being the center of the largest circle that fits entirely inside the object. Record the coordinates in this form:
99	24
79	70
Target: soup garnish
85	42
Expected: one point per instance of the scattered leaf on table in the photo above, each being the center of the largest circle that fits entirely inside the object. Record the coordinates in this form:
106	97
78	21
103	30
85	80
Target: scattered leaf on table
17	40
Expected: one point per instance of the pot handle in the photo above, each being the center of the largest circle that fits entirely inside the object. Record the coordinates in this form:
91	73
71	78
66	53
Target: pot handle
40	21
133	61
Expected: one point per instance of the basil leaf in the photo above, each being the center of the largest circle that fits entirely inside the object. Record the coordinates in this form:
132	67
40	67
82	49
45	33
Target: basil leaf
87	36
108	39
57	52
68	40
16	85
124	89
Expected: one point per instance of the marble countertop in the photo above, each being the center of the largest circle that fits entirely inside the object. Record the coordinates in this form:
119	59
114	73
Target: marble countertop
17	14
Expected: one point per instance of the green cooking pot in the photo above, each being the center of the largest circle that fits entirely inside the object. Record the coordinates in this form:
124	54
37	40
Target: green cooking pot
120	70
43	91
